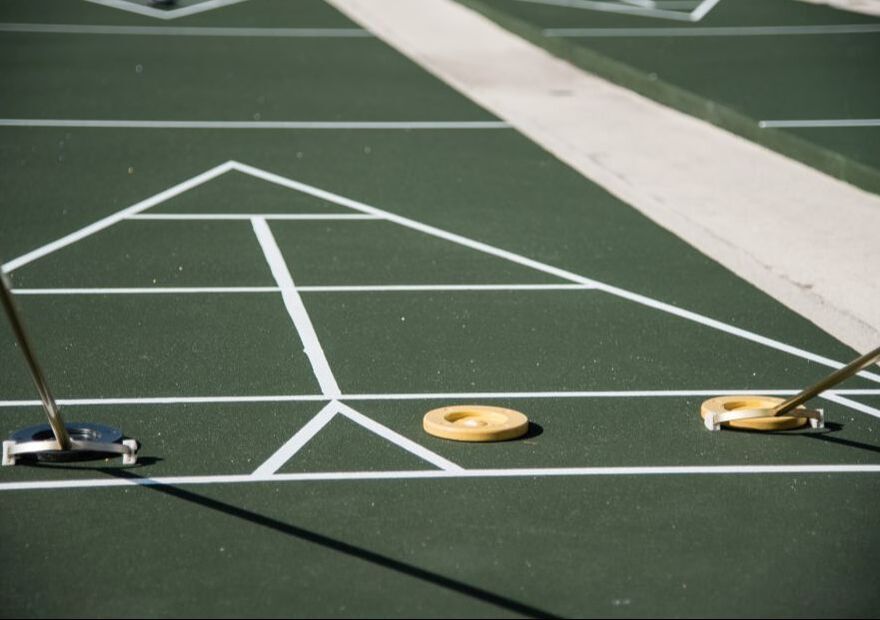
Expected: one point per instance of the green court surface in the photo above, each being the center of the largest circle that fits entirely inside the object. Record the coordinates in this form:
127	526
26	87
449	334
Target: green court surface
796	77
271	311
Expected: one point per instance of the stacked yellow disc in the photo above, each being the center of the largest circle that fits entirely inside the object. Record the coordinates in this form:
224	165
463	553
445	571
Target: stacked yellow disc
726	404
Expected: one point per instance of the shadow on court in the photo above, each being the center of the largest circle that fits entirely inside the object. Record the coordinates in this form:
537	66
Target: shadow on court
312	537
821	434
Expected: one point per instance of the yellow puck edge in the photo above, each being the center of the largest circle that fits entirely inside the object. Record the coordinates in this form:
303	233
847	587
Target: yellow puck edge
475	423
723	404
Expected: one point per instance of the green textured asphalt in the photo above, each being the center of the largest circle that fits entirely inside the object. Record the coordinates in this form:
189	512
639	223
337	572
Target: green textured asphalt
616	546
736	81
307	79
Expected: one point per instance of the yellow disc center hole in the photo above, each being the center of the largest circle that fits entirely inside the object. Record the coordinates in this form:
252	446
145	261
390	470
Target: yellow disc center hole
474	419
749	403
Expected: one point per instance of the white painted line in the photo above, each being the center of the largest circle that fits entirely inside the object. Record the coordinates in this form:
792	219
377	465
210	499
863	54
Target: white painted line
451	396
836	122
299	439
108	221
165	14
408	288
582	394
684	470
852	404
398	439
412	224
171	400
717	31
157	290
248	216
702	10
169	124
730	329
186	31
543	267
296	309
609	7
131	7
370	288
690	5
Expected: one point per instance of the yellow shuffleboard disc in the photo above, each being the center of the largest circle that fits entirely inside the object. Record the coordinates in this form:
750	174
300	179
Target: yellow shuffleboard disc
730	404
475	423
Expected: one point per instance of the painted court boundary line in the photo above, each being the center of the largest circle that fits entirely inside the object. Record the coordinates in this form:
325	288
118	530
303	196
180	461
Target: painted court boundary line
424	228
248	216
397	439
717	470
319	421
296	308
321	368
170	124
835	397
280	398
297	441
368	288
836	122
186	31
715	31
165	14
633	8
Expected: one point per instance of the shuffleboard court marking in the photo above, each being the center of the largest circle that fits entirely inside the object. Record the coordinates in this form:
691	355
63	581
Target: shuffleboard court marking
852	404
108	221
321	367
295	308
837	396
185	31
545	268
168	290
367	288
398	439
432	231
165	14
818	123
297	441
194	124
319	421
248	216
683	470
712	31
640	9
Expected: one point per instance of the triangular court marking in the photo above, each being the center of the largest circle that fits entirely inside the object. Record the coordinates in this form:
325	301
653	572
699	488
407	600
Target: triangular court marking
299	439
435	232
323	417
166	14
398	439
661	9
549	269
120	215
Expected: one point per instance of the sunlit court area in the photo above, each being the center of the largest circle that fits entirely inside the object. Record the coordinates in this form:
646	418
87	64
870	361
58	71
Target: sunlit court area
440	308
